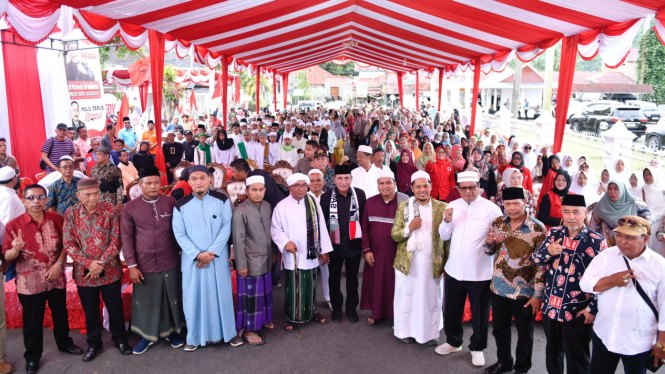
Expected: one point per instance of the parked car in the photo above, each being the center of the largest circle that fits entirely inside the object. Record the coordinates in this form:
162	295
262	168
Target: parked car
650	109
601	117
655	138
577	107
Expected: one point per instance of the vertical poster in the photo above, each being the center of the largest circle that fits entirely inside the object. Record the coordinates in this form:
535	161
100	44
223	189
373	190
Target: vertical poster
84	77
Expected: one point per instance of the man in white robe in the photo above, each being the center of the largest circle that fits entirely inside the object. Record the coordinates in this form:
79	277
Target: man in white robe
366	176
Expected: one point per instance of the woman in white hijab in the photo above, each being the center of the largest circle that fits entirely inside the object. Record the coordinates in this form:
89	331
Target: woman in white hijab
654	196
582	184
636	183
530	156
568	164
620	172
601	186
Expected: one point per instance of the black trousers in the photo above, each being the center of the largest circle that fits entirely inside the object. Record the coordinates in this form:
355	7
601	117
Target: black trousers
113	300
604	361
275	271
571	339
335	279
503	312
34	307
479	296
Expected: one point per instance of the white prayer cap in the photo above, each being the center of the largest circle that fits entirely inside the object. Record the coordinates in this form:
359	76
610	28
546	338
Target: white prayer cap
68	158
315	171
170	132
365	149
255	179
309	124
419	174
272	133
286	135
7	173
287	121
327	115
255	131
386	173
297	177
317	123
468	176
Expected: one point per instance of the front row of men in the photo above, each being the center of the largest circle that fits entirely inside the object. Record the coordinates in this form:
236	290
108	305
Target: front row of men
466	247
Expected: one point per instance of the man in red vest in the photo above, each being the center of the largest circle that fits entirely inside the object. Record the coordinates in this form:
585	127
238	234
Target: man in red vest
90	157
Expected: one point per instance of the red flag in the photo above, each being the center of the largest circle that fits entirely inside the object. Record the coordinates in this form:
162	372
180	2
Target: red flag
139	72
124	111
218	86
192	103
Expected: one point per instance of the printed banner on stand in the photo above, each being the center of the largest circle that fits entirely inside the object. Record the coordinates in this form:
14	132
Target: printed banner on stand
84	77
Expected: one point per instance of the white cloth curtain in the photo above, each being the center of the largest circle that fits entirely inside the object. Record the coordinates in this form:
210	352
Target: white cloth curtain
55	91
4	111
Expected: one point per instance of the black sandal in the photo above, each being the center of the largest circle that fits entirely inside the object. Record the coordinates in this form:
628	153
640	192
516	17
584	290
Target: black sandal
270	328
253	343
291	325
318	318
374	322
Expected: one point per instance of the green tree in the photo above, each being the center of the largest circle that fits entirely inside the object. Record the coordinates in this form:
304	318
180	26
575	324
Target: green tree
347	70
248	83
120	50
651	66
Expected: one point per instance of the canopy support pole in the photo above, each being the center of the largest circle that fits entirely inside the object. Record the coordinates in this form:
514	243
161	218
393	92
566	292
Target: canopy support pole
440	86
156	41
285	87
274	88
566	72
258	88
401	89
474	99
225	89
417	91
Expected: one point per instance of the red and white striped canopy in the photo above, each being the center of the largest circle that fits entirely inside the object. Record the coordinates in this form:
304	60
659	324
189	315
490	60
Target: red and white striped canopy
398	35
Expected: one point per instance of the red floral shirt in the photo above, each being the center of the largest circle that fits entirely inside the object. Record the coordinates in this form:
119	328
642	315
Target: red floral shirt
43	246
90	237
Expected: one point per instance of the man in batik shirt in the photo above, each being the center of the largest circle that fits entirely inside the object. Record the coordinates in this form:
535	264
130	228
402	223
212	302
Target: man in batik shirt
568	313
109	177
62	193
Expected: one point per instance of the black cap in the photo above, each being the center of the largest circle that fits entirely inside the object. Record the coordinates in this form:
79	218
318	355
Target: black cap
573	200
61	126
188	132
149	171
320	153
125	119
513	193
342	170
202	126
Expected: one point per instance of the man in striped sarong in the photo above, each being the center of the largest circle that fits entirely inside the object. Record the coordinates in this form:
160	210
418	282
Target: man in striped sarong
253	252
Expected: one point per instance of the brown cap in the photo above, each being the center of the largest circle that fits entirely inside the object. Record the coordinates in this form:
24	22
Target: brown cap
320	153
87	184
642	227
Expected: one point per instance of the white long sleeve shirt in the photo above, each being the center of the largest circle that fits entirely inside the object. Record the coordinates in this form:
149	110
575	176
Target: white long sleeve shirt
289	223
468	229
625	323
366	180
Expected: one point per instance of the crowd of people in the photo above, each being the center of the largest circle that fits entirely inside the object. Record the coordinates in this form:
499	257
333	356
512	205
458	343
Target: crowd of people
439	215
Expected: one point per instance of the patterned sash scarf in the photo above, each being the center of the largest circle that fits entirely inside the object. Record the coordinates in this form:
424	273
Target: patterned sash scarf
313	233
354	218
415	241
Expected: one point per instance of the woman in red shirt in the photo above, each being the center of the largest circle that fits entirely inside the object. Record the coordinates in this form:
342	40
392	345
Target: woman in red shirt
441	173
549	212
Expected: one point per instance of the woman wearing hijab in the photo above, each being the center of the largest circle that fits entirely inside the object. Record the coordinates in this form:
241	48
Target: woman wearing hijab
467	131
428	154
513	178
405	169
486	171
568	164
550	170
636	183
441	174
529	156
415	149
457	158
143	158
537	171
619	171
465	148
445	139
373	142
654	196
616	203
582	184
549	212
223	149
391	153
605	177
517	162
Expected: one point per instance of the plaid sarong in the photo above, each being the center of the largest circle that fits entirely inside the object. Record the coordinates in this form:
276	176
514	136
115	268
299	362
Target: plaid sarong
254	302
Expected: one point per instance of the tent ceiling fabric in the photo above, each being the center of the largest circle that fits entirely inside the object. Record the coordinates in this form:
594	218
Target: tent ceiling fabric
398	35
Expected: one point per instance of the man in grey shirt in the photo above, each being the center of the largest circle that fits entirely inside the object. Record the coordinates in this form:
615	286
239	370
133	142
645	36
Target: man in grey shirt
252	244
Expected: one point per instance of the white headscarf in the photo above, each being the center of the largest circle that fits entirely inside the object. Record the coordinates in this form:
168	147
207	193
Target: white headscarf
386	160
572	169
623	176
588	191
636	191
530	158
653	195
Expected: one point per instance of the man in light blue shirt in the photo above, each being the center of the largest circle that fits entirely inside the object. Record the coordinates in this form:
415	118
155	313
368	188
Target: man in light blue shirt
128	135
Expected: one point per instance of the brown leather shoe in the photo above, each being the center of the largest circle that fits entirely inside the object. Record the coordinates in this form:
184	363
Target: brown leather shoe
5	368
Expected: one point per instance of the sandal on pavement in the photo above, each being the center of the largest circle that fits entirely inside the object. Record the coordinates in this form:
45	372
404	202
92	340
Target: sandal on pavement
290	327
272	327
248	337
371	321
320	319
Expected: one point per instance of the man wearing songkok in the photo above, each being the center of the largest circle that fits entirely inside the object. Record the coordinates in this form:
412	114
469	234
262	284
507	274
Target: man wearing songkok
421	256
299	230
517	283
172	154
568	312
252	245
365	177
151	254
287	152
40	274
629	280
92	239
62	193
379	249
109	178
305	164
203	236
260	152
316	184
343	205
466	224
